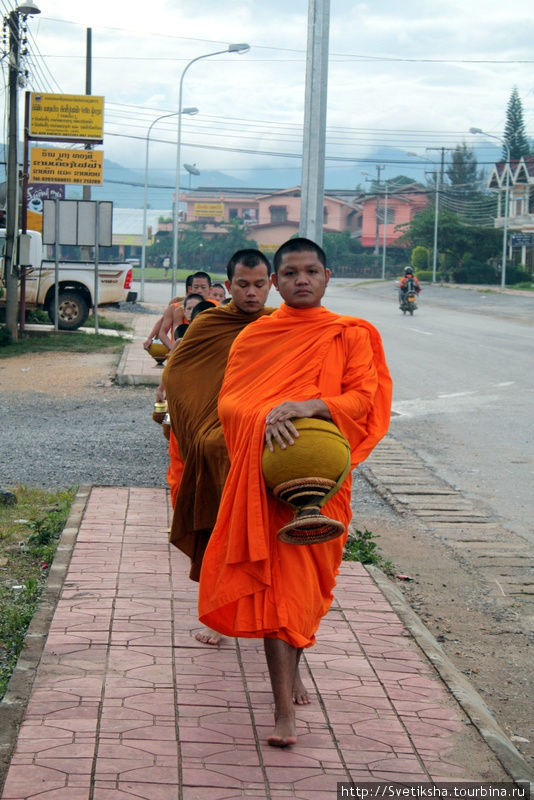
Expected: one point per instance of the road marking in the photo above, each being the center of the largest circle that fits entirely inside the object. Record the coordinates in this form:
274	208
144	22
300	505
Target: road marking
425	333
505	383
455	394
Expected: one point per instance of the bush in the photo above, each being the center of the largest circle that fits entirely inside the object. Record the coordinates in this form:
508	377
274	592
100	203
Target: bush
5	336
472	271
424	274
517	275
419	258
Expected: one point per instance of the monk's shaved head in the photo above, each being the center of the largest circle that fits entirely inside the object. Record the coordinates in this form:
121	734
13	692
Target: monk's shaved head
297	245
249	257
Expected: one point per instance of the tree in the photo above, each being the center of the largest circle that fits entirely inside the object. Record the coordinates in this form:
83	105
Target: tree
514	131
462	171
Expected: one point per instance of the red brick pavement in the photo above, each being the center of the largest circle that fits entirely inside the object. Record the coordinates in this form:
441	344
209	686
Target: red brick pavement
126	704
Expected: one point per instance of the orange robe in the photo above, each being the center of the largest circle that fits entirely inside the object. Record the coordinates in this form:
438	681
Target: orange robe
176	468
252	584
192	380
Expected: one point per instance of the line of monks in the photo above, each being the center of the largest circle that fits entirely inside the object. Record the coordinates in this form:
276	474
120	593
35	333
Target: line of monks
240	376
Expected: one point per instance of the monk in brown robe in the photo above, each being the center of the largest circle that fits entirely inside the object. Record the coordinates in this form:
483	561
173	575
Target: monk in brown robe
301	361
192	379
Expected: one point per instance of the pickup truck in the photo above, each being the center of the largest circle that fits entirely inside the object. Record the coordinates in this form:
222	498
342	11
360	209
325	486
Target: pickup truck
76	283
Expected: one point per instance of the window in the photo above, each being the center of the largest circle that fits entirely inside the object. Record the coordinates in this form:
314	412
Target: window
233	213
325	215
278	214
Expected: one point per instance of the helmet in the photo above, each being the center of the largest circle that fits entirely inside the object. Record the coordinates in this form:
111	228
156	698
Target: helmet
408	271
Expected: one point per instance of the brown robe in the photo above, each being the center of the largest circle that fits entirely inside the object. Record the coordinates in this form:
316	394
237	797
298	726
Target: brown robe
192	380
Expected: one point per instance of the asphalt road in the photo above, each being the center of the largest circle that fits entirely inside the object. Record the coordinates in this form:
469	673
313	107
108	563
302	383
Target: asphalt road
463	371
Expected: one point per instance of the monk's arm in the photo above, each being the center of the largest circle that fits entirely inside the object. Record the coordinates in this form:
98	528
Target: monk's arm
166	327
153	334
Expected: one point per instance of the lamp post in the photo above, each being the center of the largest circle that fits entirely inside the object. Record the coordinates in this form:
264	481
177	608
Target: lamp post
23	9
506	198
438	177
191	111
232	48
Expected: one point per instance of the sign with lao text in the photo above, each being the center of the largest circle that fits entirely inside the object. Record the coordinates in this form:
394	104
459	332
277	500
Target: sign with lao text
79	117
54	165
208	209
521	239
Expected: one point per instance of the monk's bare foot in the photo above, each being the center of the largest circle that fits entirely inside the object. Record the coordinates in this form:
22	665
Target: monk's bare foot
299	693
207	636
285	732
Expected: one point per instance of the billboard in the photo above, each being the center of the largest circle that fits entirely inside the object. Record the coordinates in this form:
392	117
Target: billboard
36	194
76	117
55	165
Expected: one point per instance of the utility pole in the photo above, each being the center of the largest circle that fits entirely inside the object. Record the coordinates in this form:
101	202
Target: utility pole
85	252
379	168
439	183
12	178
313	148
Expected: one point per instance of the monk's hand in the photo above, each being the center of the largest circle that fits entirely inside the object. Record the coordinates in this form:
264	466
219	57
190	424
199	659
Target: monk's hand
293	409
283	433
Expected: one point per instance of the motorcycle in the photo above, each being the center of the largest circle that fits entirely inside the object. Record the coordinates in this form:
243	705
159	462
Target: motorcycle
408	297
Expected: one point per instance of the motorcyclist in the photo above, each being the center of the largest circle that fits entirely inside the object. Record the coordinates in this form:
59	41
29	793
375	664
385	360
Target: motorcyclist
408	281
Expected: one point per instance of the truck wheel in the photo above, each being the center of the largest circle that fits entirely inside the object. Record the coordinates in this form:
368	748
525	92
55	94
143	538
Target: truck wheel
72	311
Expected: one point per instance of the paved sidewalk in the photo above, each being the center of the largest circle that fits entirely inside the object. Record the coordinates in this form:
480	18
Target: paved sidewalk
126	704
136	365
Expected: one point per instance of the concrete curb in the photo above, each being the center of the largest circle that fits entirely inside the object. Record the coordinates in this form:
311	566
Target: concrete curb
466	696
15	700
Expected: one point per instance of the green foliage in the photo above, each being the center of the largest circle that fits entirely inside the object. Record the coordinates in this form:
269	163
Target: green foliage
419	258
198	251
473	271
29	546
454	238
517	275
106	324
36	316
514	131
361	547
424	274
462	171
5	336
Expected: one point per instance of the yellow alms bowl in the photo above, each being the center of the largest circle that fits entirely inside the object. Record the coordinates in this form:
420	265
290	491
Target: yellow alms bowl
320	451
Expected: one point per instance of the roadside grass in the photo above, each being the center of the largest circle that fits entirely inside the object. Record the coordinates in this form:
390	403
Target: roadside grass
29	533
106	323
63	341
361	546
158	274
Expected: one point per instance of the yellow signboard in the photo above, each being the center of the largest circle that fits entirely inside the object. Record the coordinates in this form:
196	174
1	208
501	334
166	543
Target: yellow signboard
67	116
53	165
208	209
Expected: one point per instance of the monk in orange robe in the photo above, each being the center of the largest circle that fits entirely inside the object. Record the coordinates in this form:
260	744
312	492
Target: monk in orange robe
192	380
302	361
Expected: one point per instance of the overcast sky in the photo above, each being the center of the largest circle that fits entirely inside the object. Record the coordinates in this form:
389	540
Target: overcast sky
407	75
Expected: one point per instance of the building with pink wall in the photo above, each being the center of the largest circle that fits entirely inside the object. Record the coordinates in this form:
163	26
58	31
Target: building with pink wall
402	206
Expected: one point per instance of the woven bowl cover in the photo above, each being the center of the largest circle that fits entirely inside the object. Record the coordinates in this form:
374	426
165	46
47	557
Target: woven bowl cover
319	451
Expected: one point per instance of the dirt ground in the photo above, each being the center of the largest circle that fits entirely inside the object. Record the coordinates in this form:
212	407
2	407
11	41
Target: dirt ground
485	641
62	374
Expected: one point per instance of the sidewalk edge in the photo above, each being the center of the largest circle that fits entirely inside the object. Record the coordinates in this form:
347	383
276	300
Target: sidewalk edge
464	693
15	700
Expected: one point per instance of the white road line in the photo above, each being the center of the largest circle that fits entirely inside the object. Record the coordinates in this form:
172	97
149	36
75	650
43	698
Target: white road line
425	333
455	394
505	383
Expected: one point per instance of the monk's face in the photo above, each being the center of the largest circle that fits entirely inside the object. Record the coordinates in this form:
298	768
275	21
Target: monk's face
217	293
301	279
201	286
249	287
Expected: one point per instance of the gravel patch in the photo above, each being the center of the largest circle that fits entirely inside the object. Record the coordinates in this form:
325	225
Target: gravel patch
105	436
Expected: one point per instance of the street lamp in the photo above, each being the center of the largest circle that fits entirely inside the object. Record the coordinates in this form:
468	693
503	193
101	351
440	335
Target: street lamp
232	48
436	206
23	10
191	111
506	198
